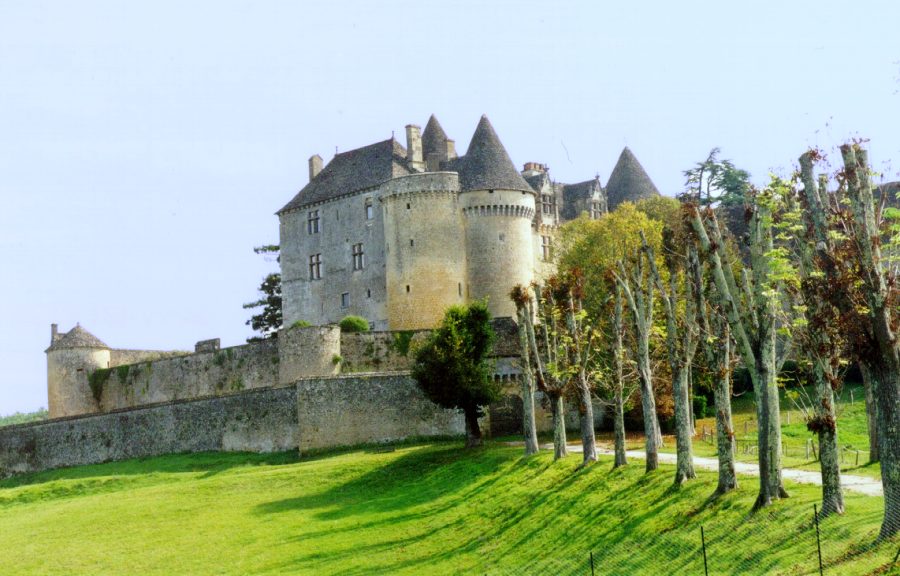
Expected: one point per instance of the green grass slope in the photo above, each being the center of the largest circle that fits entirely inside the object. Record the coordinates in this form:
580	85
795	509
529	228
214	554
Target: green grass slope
426	509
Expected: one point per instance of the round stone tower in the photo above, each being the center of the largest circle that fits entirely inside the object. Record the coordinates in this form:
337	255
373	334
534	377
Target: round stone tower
425	255
71	358
498	208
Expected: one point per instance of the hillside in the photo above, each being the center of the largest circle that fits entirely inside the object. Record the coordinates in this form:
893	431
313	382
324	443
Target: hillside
423	509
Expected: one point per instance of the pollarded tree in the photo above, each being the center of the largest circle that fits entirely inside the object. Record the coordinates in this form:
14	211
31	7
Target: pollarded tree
752	313
521	296
638	289
681	340
863	286
451	367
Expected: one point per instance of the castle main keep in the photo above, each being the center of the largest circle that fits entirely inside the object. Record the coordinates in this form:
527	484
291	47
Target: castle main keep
396	235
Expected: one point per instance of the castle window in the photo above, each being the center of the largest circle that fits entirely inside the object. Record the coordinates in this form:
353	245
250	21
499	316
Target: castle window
370	210
546	204
412	242
459	288
315	267
546	248
345	300
368	292
407	288
359	258
595	210
312	222
407	206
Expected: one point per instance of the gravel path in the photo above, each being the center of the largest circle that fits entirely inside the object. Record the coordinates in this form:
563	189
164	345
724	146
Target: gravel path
858	484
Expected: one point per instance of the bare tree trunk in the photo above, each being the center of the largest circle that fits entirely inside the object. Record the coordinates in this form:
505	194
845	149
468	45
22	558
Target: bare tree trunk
588	440
652	433
529	428
826	424
684	463
887	396
558	406
473	431
724	425
619	428
619	361
871	417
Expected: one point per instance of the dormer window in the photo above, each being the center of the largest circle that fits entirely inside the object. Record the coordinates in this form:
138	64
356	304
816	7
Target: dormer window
547	204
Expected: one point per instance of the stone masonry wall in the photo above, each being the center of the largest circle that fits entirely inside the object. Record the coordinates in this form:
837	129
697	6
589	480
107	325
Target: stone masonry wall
254	420
373	408
197	375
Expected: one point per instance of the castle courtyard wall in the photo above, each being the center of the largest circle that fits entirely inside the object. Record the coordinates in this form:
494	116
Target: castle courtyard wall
188	376
255	420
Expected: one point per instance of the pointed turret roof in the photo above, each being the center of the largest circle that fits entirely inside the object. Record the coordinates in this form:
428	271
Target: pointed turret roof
486	165
77	337
629	181
434	139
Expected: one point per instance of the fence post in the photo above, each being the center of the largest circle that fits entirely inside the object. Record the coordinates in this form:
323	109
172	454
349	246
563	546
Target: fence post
851	396
703	541
592	563
807	448
746	422
818	539
789	418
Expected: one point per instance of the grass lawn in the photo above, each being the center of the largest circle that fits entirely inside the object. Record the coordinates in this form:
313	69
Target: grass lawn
852	433
423	509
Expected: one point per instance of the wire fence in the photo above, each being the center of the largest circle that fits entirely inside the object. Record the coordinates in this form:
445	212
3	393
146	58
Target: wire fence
802	545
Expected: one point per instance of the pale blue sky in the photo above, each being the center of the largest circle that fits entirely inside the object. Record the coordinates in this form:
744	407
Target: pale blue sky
144	147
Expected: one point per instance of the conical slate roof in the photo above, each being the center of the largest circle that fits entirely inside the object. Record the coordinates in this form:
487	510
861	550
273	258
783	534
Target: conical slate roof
434	139
486	165
77	337
628	181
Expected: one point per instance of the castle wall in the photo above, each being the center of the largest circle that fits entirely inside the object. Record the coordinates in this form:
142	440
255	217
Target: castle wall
255	420
368	409
499	245
196	375
68	391
310	351
342	223
120	357
425	249
379	351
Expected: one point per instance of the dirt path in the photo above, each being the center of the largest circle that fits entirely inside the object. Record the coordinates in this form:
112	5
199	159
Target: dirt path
858	484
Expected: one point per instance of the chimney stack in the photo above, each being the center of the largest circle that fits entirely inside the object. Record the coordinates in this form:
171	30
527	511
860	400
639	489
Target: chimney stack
451	150
315	166
414	148
54	333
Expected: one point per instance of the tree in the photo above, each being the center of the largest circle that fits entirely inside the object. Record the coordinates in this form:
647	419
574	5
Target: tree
862	280
269	320
451	367
752	312
681	341
521	296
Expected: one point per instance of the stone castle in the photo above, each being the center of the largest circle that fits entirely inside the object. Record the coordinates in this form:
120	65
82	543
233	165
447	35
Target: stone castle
397	235
392	234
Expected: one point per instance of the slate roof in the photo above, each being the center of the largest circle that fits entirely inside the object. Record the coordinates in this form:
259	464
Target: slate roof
486	165
571	193
537	181
77	337
353	170
434	139
628	181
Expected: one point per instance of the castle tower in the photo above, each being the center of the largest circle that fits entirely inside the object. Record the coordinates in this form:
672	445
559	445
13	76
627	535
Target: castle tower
425	256
71	358
628	181
498	207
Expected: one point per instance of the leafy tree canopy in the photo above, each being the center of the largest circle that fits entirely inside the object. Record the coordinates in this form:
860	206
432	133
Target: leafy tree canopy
268	320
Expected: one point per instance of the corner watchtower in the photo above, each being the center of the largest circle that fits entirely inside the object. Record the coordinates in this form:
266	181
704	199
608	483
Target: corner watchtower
71	358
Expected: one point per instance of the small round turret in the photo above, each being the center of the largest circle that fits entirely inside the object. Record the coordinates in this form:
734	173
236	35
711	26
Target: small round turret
71	358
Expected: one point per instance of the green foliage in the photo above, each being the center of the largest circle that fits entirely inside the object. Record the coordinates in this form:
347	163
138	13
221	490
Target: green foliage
702	409
336	359
716	181
122	372
351	323
24	417
268	320
451	367
401	341
97	379
300	324
594	247
219	358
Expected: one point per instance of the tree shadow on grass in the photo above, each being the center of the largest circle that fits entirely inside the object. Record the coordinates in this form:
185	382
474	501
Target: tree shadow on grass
418	476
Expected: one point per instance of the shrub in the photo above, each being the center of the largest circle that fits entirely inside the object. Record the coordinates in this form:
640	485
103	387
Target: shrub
300	324
354	324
